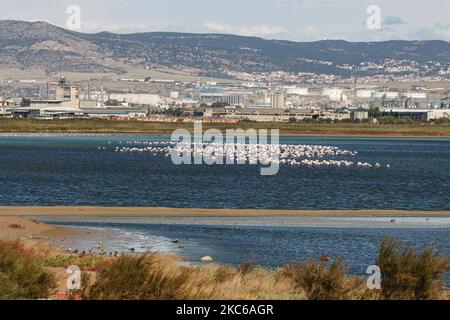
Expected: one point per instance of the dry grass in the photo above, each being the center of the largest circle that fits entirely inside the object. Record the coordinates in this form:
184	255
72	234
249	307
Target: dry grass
112	126
163	277
407	274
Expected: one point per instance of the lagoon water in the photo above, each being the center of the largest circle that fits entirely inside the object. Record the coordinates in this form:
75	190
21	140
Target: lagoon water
71	170
267	241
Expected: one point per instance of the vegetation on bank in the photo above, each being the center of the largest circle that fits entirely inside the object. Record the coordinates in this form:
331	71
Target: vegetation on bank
21	275
406	274
405	127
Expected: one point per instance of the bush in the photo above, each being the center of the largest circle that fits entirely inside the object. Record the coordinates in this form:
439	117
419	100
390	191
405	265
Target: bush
21	274
246	267
407	274
323	281
224	273
137	278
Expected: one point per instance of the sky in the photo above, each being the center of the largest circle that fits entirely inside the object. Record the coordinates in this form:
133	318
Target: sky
297	20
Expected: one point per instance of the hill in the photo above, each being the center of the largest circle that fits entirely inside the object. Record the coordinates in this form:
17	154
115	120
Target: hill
44	46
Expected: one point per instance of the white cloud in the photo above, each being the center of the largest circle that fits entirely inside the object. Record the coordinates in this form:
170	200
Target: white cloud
438	31
92	26
311	33
393	20
441	31
260	30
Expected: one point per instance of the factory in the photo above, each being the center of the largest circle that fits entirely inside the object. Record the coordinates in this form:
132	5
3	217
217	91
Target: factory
67	104
273	115
417	114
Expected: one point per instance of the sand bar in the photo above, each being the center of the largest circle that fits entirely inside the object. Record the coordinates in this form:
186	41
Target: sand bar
146	211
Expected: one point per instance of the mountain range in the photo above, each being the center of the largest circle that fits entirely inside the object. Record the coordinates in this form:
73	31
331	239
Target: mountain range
53	49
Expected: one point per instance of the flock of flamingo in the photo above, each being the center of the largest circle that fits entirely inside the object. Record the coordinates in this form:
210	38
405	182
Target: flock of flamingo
245	153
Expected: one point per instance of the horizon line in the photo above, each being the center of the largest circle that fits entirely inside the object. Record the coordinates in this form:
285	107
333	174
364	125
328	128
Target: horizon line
218	34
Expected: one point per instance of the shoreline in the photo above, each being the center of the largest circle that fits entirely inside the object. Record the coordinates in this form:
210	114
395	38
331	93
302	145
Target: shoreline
108	126
32	233
55	248
20	211
165	133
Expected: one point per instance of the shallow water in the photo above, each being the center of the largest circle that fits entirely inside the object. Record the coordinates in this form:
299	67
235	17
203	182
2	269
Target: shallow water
269	242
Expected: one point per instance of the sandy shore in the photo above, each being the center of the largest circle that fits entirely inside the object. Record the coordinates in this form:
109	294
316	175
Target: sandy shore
18	223
32	233
141	211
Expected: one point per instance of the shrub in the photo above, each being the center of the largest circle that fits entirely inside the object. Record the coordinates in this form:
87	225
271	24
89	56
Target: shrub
246	267
137	278
224	273
21	274
407	274
321	280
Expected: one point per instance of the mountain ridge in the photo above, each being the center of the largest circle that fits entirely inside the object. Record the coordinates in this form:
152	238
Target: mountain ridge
55	49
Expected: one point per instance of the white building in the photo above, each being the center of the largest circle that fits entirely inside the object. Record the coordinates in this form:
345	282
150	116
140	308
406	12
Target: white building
416	95
334	94
364	94
297	91
277	100
137	98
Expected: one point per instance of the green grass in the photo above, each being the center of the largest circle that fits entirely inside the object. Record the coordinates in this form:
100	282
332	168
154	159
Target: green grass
86	262
112	126
22	276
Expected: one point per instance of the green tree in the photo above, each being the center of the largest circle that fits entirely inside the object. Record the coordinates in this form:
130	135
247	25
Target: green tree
374	112
112	102
25	102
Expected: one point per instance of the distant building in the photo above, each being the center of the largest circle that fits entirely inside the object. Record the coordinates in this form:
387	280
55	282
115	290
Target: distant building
334	94
297	91
4	111
418	114
416	95
360	114
277	100
114	112
233	99
273	115
364	94
67	93
137	98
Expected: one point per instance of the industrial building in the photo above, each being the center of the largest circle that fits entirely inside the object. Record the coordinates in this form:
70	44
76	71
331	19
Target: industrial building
277	100
418	114
273	115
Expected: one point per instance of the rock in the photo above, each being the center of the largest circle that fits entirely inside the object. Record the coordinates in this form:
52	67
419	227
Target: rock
207	259
16	227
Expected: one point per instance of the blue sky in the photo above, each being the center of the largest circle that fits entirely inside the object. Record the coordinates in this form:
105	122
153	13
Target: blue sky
298	20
